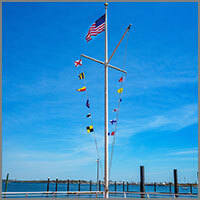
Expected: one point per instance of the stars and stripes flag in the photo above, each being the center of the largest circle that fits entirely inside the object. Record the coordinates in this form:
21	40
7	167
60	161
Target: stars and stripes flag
96	28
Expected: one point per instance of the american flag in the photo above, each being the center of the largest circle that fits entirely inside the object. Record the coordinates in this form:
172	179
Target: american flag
96	28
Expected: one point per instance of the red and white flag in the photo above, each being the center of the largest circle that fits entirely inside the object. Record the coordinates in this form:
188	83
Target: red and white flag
116	109
96	28
78	62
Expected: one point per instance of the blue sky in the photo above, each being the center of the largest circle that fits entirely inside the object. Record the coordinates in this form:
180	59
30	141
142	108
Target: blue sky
43	120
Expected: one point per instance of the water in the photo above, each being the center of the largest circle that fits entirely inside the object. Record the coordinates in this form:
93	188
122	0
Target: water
39	187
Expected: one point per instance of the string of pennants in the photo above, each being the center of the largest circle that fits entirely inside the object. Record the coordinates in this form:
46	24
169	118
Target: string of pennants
90	128
114	121
82	89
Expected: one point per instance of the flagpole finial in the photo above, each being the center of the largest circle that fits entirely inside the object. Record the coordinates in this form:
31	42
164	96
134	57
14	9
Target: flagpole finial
106	4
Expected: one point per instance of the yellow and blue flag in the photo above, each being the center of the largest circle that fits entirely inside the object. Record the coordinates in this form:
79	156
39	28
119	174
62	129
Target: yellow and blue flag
81	76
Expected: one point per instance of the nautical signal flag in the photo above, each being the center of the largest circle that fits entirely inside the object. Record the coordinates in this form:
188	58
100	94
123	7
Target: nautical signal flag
120	90
81	76
113	121
90	129
111	133
116	109
81	89
87	103
78	62
121	79
120	100
96	28
89	115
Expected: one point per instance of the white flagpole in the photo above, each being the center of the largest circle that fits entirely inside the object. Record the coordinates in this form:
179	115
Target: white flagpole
106	107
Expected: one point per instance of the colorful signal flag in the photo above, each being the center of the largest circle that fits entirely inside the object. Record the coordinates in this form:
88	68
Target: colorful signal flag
90	129
78	62
121	79
120	90
81	75
81	89
87	103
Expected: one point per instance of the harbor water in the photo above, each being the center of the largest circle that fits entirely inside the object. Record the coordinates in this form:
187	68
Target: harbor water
42	187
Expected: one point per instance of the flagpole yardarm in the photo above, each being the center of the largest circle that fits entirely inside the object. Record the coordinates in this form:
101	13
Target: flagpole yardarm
119	42
111	66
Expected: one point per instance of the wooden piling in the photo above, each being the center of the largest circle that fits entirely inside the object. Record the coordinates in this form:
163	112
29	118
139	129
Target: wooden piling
142	184
190	188
6	186
79	185
175	182
127	186
48	184
90	185
56	184
170	187
115	186
68	185
123	187
154	186
99	185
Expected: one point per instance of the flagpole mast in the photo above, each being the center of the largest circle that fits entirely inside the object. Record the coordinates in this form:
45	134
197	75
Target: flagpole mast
106	107
106	65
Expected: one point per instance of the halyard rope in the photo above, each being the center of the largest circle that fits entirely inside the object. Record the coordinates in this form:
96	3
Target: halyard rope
117	116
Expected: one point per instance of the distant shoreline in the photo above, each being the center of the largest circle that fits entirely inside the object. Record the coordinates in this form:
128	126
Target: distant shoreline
88	182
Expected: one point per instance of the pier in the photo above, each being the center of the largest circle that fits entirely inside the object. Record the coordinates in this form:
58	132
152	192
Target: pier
120	189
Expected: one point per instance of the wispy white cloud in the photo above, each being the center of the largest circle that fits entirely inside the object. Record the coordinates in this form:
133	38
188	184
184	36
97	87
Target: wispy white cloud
165	82
172	120
81	155
184	152
165	72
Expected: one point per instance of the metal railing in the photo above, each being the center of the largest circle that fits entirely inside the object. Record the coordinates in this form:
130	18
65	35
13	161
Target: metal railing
94	194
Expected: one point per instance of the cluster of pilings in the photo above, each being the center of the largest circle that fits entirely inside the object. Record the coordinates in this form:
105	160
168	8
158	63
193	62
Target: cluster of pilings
142	184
